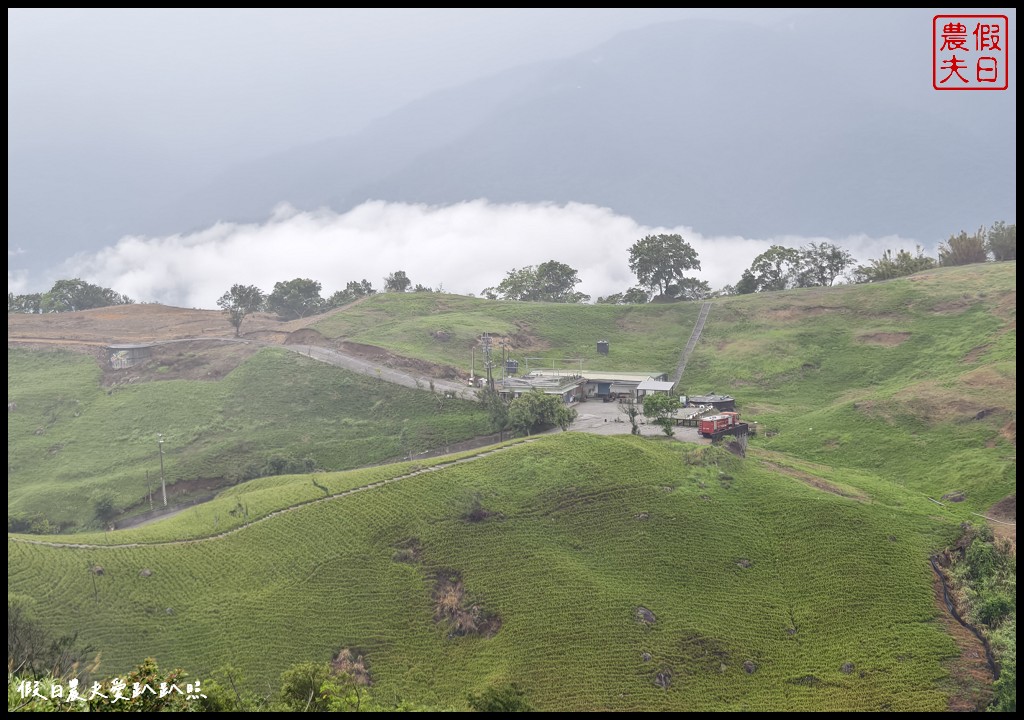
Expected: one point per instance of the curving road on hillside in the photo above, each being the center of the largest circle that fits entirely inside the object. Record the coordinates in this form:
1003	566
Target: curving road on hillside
290	508
379	371
321	354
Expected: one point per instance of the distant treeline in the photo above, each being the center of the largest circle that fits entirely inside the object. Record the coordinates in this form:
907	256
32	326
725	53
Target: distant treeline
66	296
658	261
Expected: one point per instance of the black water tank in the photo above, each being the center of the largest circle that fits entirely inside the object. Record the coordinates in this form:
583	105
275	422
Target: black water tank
511	367
602	347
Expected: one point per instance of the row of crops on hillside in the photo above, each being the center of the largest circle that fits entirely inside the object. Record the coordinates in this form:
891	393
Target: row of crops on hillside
625	572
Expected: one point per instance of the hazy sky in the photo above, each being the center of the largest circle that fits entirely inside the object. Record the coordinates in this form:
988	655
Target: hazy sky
235	82
193	91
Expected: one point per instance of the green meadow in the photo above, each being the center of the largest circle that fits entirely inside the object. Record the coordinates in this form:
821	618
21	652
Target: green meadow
445	328
72	441
614	572
913	380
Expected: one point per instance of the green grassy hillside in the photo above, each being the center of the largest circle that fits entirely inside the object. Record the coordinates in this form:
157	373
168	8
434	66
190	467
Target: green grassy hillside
618	572
761	587
445	328
913	379
71	441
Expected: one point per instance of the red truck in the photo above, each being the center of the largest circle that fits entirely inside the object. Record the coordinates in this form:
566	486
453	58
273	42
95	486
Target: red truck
715	426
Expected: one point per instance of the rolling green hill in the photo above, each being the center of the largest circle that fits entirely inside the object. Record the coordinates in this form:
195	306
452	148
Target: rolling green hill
912	379
444	329
607	572
71	441
759	588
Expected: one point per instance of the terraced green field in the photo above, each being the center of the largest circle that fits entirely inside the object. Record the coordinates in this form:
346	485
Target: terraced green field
620	573
761	587
71	441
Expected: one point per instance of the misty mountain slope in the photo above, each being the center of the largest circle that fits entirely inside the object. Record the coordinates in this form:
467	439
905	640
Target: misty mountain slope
325	173
723	126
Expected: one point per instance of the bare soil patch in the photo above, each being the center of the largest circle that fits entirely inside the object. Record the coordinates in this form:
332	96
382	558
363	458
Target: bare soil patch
814	481
1009	431
975	353
934	403
451	606
353	663
306	336
951	307
988	378
1006	309
194	360
381	356
885	339
524	338
144	323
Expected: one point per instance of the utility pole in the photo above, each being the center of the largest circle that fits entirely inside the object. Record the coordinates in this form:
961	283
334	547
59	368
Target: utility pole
488	363
160	446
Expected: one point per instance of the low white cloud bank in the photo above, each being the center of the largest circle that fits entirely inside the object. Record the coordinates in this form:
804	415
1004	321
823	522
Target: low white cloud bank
462	248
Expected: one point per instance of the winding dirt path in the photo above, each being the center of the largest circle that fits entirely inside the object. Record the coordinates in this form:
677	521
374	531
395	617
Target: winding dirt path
290	508
381	372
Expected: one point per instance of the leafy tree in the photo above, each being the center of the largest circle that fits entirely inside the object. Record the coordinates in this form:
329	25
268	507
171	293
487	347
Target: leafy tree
296	298
661	260
507	699
690	289
633	296
239	301
632	411
341	693
822	263
301	686
891	266
72	295
747	283
232	693
658	407
352	292
496	409
397	281
424	289
148	674
776	268
1001	241
31	303
556	282
963	249
180	692
363	288
31	651
535	411
551	281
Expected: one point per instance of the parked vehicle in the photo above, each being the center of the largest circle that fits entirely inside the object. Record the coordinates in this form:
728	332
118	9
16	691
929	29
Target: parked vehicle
717	426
